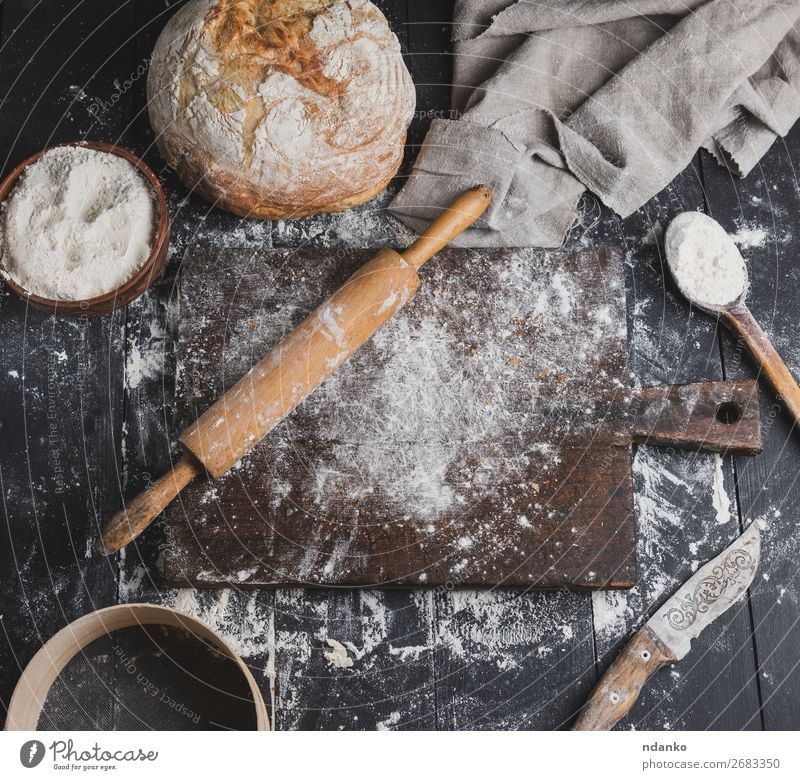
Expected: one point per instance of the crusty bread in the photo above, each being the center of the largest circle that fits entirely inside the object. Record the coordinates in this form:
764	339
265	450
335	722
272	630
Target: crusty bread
281	108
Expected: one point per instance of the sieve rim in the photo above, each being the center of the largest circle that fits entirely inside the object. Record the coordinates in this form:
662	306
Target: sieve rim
30	692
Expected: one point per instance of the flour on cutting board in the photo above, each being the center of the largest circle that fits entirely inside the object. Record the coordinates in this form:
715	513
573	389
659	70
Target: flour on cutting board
419	404
445	384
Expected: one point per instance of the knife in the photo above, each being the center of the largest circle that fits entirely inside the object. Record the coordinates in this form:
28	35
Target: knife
667	636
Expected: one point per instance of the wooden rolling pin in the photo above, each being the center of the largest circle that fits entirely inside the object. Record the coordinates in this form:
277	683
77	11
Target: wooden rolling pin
295	368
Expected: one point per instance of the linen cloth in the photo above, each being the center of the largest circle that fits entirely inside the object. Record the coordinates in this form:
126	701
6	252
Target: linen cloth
559	96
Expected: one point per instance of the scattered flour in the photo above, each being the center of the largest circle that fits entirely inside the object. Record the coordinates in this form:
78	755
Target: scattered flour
145	361
654	236
388	723
749	237
613	613
130	582
722	503
364	226
77	225
704	260
419	400
337	656
410	653
239	618
505	627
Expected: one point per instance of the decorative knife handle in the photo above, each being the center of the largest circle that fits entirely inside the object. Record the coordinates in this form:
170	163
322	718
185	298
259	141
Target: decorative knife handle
619	688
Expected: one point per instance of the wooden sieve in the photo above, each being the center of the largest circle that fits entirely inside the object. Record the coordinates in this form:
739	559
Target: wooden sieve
30	693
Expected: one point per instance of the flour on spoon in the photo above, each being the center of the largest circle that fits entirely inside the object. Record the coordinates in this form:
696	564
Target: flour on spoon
705	261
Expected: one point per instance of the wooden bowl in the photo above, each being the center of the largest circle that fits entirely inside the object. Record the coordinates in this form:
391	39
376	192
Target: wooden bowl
142	278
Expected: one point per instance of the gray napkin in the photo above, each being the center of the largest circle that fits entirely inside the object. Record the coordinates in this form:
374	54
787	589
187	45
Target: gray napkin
559	96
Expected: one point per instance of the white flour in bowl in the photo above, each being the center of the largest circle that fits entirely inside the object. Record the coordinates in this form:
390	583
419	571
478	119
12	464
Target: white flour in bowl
77	224
704	260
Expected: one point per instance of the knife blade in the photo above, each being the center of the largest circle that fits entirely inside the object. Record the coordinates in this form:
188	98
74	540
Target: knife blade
667	636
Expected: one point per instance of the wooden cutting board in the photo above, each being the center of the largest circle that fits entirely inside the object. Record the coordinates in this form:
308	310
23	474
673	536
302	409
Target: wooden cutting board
483	437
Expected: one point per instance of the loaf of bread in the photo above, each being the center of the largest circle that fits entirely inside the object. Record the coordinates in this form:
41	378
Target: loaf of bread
281	108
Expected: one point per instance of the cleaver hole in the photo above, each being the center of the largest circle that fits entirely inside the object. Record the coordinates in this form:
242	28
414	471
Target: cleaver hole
729	412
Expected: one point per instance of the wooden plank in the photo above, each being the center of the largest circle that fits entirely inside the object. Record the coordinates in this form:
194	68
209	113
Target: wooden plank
508	661
760	211
379	679
681	497
61	380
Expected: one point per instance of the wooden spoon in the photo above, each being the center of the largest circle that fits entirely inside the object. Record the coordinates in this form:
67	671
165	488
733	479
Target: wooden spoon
734	313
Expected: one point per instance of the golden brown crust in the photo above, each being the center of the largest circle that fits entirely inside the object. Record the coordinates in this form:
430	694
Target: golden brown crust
266	35
236	195
281	108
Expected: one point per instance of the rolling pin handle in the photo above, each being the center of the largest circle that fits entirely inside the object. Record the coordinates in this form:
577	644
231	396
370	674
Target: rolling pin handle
138	514
463	212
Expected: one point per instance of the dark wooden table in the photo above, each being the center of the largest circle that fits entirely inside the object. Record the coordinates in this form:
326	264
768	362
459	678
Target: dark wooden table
86	413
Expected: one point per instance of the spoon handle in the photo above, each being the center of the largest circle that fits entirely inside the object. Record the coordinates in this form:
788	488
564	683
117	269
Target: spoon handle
740	320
